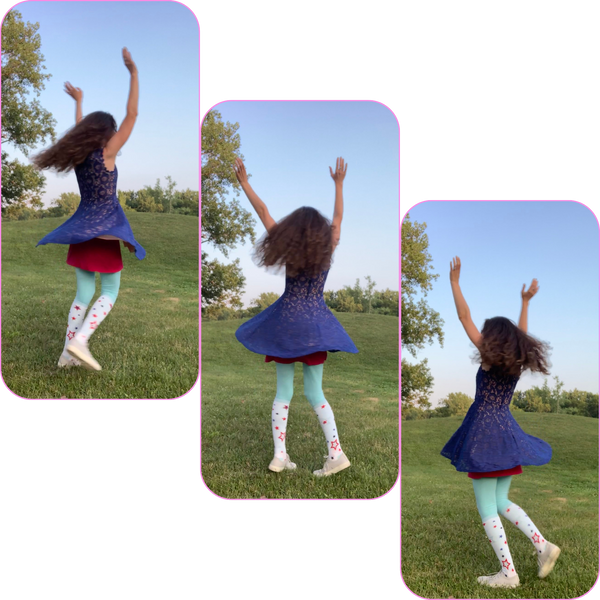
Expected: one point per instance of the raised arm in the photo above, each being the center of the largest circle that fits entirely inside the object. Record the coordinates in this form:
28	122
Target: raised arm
462	308
77	95
338	209
259	206
526	296
118	140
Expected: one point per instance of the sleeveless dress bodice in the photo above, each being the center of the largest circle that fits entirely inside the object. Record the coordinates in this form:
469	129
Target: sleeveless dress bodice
298	323
489	438
99	212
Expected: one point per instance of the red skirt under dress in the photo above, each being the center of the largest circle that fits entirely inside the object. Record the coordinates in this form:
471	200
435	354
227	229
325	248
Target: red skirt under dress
502	473
97	255
316	358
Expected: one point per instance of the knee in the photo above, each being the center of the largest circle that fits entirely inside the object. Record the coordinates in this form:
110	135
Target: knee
502	502
110	288
314	396
85	294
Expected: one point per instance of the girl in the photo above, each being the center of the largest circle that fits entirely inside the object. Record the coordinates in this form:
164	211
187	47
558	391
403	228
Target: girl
299	327
489	444
94	231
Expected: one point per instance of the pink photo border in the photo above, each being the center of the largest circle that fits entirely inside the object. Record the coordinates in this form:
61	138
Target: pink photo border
477	199
303	99
104	400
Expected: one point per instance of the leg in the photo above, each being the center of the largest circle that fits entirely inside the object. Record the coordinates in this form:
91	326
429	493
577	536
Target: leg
485	496
516	515
313	390
86	287
102	306
279	413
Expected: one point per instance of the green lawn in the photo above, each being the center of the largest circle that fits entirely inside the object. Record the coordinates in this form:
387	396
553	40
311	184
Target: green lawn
238	389
147	346
444	548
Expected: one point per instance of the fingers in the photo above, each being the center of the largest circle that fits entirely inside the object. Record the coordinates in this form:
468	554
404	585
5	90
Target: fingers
330	171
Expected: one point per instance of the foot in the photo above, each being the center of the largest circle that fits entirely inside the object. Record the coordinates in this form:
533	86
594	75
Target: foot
81	352
279	464
333	466
66	360
547	559
500	580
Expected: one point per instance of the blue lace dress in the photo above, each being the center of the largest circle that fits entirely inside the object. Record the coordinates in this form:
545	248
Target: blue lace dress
489	438
99	212
297	324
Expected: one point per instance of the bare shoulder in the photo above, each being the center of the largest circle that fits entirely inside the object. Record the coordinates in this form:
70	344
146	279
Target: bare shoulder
485	366
109	160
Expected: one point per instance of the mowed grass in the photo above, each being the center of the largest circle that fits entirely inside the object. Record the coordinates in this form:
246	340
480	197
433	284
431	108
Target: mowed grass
238	389
444	546
147	345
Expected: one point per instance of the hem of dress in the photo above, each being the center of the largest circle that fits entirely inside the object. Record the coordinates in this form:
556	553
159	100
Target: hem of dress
499	473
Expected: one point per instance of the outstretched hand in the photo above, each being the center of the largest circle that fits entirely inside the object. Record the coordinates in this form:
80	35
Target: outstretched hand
74	92
131	66
340	171
531	292
240	171
455	270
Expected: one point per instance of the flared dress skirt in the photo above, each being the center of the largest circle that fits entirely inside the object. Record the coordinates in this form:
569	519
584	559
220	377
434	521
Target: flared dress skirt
489	438
97	255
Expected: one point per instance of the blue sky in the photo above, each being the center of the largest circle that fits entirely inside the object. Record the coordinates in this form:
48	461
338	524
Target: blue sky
503	245
288	148
82	42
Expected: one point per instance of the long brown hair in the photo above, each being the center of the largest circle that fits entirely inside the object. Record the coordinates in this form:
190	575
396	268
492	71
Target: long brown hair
301	242
509	350
92	132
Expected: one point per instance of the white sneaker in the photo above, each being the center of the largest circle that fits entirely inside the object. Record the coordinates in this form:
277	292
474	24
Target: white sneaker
82	353
280	464
547	559
66	360
333	466
500	580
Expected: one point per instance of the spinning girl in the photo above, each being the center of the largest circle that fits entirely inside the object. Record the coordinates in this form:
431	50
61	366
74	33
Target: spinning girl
489	445
99	223
299	327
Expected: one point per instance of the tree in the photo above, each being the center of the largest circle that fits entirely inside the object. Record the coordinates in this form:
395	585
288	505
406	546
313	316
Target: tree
187	202
24	122
144	200
420	324
65	204
457	403
224	222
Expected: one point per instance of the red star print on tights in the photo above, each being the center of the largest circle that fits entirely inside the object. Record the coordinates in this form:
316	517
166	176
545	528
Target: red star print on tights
77	307
93	325
335	445
71	335
282	436
507	563
534	536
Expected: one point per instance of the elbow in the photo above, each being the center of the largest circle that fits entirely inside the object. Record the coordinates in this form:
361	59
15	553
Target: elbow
132	113
463	317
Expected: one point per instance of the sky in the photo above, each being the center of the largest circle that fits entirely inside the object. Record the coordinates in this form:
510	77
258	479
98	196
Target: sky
288	148
82	43
503	245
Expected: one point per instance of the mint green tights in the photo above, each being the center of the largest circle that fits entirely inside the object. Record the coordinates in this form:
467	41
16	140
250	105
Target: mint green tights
313	383
491	495
86	285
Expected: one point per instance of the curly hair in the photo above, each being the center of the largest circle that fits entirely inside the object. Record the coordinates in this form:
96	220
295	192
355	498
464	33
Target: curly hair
92	132
510	350
301	242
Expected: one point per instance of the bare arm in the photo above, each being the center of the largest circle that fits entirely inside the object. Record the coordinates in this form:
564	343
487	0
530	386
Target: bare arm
77	95
338	209
462	308
259	206
523	316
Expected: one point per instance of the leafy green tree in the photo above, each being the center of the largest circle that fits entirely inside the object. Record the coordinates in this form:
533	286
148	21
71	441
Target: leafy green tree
386	302
186	202
224	222
24	122
420	324
65	204
144	200
457	403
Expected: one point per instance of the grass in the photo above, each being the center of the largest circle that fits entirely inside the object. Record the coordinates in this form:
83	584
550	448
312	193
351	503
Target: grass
147	346
444	548
238	389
